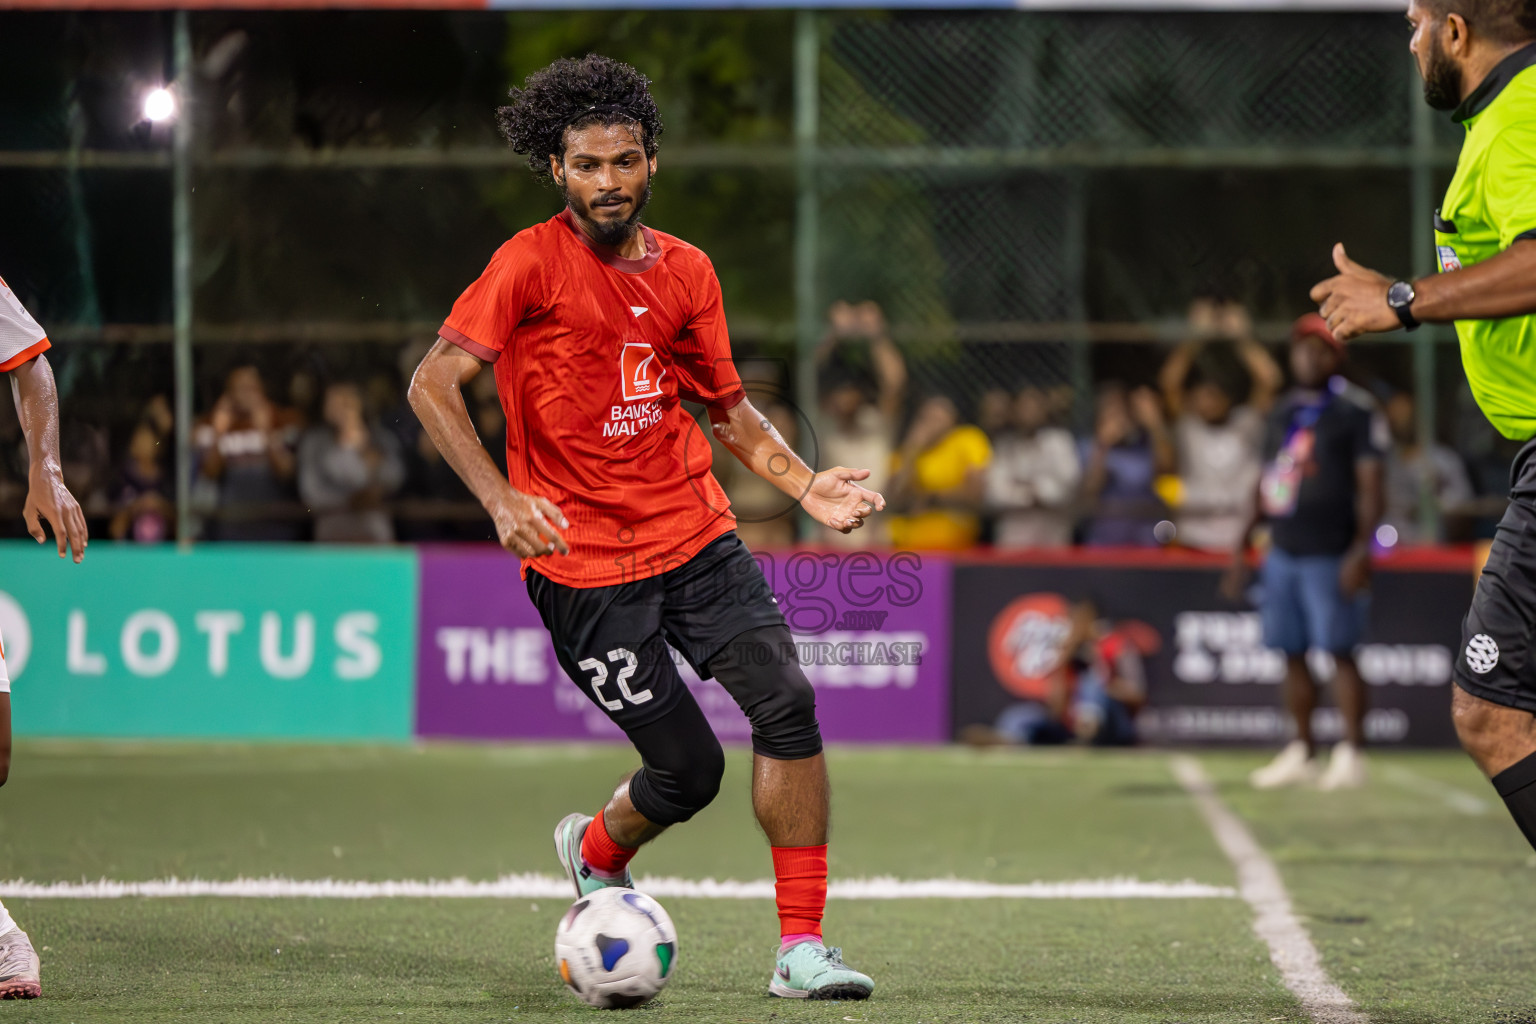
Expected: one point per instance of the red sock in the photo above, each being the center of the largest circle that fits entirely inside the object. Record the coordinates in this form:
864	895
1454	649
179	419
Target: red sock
801	888
601	853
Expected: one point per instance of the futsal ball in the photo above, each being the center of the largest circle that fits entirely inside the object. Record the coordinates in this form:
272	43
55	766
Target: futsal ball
615	948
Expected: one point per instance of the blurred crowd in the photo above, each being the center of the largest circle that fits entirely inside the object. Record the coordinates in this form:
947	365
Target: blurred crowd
1175	461
1171	458
336	461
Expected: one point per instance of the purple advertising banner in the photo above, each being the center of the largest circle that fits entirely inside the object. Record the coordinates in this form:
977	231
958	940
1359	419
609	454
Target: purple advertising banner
872	631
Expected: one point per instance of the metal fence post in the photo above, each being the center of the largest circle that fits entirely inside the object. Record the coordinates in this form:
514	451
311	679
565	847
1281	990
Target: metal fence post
807	214
181	230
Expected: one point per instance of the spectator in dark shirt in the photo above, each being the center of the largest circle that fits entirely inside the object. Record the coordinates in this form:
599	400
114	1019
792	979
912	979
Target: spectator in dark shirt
1321	492
145	510
1131	446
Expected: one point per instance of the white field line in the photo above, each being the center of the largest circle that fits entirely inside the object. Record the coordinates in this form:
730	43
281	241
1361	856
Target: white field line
1259	884
1454	797
532	886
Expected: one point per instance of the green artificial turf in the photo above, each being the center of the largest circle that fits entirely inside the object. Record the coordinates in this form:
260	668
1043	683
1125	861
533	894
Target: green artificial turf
1417	890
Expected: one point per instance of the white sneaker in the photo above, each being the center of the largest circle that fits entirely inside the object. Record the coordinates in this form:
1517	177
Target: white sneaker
1293	766
18	967
1346	768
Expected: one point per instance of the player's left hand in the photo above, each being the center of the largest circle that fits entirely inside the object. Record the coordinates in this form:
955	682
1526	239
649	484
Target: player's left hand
1354	302
835	499
49	498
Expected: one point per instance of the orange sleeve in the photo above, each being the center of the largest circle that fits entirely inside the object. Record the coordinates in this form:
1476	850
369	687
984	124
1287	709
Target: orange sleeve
25	355
509	291
706	372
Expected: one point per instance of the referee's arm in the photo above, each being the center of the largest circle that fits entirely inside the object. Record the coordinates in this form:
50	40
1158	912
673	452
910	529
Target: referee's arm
1355	301
1500	286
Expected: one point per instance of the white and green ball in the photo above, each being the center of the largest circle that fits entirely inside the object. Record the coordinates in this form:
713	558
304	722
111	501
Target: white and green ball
616	948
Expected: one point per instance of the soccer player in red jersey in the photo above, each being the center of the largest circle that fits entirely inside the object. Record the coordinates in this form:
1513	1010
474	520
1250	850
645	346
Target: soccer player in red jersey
22	344
596	328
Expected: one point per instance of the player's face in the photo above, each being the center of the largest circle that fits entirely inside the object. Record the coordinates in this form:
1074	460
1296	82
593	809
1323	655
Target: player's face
1441	74
606	178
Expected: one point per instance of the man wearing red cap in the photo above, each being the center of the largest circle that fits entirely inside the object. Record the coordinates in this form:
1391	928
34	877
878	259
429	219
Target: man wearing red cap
1322	494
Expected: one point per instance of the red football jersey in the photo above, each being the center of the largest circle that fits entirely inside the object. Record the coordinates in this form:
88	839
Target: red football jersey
593	354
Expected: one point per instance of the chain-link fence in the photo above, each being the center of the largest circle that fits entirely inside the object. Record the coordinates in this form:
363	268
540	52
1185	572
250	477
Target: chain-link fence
1032	200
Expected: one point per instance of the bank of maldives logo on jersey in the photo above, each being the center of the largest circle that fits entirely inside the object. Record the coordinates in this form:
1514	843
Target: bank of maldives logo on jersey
640	371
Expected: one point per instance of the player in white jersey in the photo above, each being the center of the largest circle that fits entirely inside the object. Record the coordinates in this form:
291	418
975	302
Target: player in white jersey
22	344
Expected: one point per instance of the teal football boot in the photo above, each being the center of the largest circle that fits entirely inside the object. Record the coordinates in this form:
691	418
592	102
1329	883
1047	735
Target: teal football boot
810	970
568	848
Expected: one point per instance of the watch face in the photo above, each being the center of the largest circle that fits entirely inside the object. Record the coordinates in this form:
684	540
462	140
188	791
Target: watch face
1400	294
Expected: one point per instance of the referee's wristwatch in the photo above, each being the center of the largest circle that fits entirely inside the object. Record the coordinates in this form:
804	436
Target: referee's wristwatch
1400	296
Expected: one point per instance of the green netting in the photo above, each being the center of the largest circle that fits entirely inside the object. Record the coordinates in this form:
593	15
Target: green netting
1038	80
973	167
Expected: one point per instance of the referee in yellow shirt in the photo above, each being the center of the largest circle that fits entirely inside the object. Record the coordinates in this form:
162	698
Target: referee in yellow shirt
1478	59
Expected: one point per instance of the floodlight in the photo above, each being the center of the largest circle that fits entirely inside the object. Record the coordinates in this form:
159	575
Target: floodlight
159	105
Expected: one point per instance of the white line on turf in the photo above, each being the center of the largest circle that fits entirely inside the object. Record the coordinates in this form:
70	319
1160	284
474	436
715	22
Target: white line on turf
531	886
1454	797
1259	884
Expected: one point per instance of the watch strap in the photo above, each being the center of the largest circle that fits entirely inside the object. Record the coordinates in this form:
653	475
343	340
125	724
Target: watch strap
1404	314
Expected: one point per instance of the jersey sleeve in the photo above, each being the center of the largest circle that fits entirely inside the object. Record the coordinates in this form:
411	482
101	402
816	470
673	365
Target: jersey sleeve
706	373
21	339
509	291
1509	179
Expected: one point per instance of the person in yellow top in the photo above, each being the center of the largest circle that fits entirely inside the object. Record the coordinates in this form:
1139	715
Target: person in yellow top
938	476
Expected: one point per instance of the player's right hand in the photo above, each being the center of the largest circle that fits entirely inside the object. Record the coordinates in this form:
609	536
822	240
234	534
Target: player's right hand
526	525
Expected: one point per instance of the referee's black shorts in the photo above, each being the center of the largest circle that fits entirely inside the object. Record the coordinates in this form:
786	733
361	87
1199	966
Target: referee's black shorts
613	641
1497	661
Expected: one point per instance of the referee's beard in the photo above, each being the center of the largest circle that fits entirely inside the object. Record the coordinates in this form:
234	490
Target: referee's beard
1442	77
608	232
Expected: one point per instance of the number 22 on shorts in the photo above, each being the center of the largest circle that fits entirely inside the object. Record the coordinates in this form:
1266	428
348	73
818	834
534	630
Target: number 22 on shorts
600	676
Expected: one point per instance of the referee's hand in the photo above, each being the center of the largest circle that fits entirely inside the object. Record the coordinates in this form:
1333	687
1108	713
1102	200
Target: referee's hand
1354	301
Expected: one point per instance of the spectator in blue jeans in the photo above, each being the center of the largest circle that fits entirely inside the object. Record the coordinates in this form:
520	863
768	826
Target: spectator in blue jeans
1322	494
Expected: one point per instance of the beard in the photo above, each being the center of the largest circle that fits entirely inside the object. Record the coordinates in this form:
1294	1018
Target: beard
612	233
1442	78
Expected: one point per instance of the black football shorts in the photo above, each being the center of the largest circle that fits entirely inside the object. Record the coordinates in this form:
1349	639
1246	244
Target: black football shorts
1497	662
613	641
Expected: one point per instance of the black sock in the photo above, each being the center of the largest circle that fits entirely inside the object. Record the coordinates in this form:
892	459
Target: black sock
1517	785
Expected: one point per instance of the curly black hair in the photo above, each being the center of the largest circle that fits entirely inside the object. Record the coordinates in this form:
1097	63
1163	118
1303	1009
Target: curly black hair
576	94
